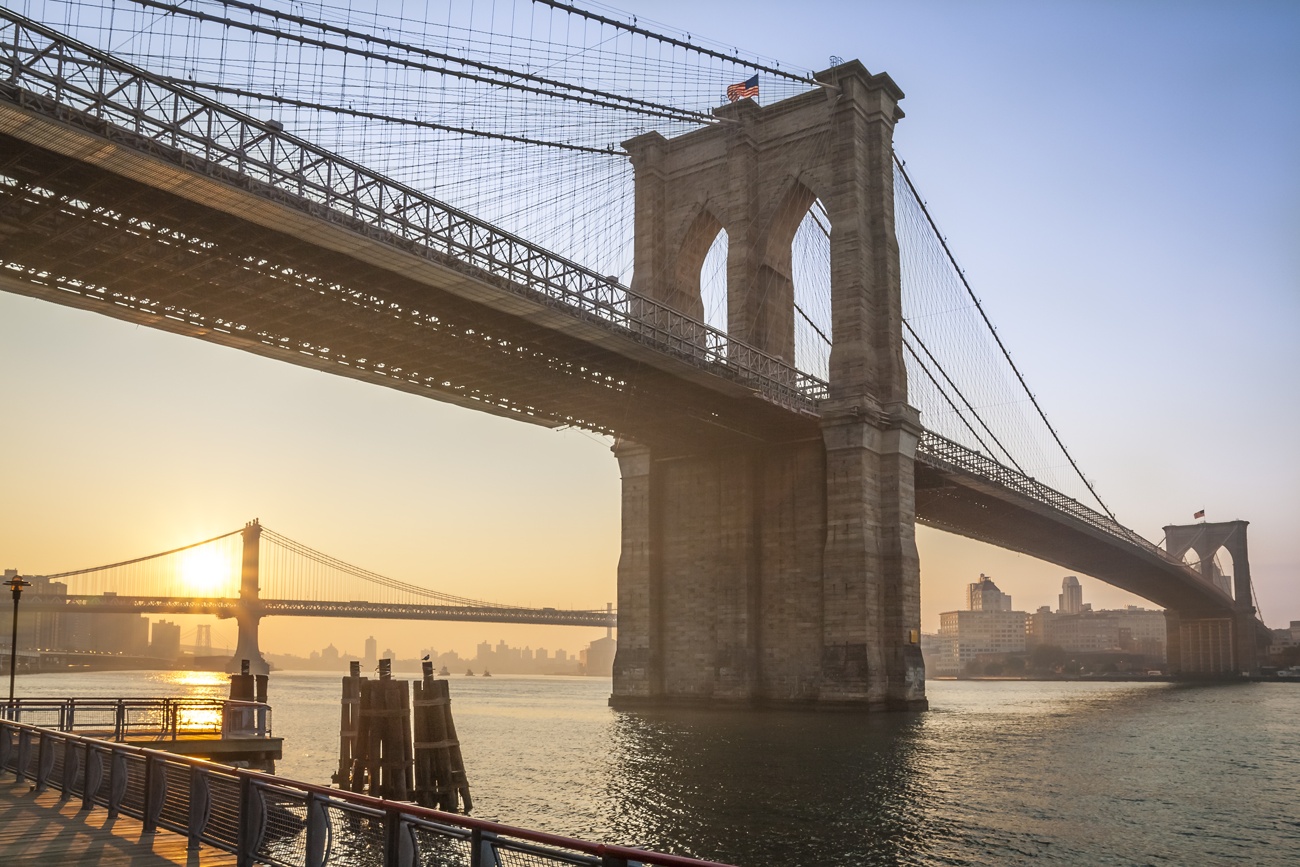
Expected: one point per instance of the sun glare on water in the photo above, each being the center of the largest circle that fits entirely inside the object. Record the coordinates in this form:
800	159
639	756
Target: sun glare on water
205	572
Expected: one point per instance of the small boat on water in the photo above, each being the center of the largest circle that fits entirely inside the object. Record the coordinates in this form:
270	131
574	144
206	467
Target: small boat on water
469	672
487	673
444	672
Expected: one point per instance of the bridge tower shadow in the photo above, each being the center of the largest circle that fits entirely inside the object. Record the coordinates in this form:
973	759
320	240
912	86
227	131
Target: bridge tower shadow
1213	644
786	571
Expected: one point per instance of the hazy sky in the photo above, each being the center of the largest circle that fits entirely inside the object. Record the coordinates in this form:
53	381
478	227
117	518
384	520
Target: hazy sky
1120	180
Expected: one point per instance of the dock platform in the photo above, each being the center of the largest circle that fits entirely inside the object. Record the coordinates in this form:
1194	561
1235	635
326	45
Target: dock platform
41	829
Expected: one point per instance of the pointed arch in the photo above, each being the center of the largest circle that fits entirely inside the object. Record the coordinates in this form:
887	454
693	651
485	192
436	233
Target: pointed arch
700	237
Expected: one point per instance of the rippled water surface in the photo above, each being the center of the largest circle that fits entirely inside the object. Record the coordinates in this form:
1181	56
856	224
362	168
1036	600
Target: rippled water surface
995	773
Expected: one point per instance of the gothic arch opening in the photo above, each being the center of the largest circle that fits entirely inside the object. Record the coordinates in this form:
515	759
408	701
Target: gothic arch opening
810	258
712	282
1222	569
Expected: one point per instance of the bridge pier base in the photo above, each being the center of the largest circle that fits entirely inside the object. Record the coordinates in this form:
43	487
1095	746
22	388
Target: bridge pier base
783	574
1214	646
247	647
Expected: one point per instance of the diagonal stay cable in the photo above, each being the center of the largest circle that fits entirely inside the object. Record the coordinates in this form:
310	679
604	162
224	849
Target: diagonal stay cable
948	399
966	402
980	307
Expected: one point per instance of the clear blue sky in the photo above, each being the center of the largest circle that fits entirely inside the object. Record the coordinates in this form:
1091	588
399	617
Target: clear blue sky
1120	180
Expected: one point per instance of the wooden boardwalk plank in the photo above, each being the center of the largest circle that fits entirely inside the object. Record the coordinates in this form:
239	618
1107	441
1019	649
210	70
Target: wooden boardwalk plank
42	830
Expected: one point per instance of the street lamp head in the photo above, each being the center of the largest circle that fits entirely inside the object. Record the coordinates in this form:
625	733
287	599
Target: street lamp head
16	584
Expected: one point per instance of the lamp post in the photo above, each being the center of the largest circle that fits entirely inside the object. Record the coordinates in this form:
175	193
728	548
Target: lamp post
16	584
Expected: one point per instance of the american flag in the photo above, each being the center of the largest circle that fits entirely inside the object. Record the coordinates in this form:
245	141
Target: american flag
1200	514
747	89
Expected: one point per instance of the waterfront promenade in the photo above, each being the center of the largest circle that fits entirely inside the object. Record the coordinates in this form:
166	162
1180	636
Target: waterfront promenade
41	829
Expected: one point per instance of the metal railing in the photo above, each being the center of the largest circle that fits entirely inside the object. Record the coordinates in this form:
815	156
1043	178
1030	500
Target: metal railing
55	75
264	819
158	719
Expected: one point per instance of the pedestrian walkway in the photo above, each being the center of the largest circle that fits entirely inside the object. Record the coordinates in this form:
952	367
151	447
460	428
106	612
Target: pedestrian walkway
40	829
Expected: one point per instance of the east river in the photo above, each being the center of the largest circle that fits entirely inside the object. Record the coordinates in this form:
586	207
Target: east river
996	773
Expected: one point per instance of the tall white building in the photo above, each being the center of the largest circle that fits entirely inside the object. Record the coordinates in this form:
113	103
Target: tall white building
1071	599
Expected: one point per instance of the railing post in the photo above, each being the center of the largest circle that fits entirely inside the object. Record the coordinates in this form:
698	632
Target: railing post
200	806
71	767
44	760
252	820
318	831
119	721
6	746
24	755
483	850
70	718
94	776
155	792
117	773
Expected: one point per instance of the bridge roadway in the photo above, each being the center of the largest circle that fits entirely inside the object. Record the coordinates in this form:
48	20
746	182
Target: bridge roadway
183	215
231	607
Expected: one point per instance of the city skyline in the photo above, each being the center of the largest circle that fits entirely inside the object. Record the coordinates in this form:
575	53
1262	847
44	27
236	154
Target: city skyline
1139	262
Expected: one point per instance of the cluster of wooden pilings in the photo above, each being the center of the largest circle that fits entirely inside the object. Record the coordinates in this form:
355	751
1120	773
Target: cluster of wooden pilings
382	755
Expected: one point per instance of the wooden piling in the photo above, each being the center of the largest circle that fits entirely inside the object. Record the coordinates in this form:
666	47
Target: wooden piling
384	736
440	779
349	726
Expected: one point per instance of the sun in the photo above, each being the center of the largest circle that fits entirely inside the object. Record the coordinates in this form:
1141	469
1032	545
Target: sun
204	571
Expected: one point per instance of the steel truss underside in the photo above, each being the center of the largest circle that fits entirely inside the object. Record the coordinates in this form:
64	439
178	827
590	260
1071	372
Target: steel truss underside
81	236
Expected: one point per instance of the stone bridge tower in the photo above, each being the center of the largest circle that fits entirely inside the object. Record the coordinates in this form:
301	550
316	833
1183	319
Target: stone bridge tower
779	572
248	614
1206	643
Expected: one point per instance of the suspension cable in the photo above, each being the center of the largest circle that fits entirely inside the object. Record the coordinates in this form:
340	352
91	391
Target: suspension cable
143	559
669	40
387	118
592	97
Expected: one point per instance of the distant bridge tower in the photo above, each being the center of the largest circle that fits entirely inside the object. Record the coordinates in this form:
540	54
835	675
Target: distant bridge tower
781	572
249	612
1200	643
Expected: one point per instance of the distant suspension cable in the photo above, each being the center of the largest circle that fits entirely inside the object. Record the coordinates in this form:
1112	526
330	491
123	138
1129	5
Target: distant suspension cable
143	559
980	307
373	577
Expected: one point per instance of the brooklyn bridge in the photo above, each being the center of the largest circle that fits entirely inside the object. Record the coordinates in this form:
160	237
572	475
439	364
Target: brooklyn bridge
776	456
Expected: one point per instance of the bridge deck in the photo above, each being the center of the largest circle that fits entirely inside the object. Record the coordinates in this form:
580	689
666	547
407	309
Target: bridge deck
39	829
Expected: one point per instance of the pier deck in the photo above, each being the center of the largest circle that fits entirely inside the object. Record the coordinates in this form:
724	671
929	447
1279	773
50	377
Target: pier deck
40	829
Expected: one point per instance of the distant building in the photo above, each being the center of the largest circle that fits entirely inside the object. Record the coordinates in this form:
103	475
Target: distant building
41	630
984	595
1077	628
939	655
987	626
598	659
371	659
165	643
1071	599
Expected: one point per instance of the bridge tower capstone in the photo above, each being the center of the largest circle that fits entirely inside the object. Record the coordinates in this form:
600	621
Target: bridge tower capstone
780	572
249	612
1210	644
